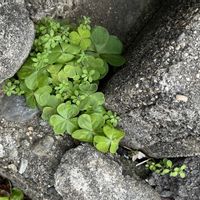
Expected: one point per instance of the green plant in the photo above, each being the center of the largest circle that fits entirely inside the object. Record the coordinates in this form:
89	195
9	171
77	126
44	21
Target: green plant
16	194
61	77
166	166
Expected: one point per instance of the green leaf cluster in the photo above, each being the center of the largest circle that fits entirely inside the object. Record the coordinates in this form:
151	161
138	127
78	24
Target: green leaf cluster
166	166
61	77
16	194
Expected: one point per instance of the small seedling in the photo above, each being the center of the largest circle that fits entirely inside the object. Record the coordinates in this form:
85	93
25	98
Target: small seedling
166	166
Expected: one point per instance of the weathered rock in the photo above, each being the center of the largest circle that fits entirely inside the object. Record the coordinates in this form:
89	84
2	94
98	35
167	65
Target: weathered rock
157	94
177	188
30	155
16	37
85	173
14	108
120	17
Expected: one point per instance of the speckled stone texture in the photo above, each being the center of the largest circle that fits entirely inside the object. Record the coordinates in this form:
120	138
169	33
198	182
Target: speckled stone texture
177	188
14	109
157	94
16	37
29	156
85	174
121	17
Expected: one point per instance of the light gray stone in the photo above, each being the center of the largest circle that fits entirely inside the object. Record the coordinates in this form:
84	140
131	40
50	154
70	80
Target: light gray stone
85	174
16	37
2	152
121	17
164	64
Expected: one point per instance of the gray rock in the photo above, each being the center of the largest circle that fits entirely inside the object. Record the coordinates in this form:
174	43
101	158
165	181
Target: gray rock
157	94
85	173
177	188
120	17
16	37
14	108
30	154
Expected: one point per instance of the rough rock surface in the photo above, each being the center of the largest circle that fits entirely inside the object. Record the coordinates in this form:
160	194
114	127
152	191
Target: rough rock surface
16	37
177	188
120	17
30	154
14	108
157	94
85	174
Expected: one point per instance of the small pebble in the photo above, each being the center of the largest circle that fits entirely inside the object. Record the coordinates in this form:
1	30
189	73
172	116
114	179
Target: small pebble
30	128
12	167
181	98
23	166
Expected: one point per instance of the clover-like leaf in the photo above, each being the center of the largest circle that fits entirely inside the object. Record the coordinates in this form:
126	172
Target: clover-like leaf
102	143
42	95
68	110
113	133
30	100
91	122
54	54
69	48
88	88
64	58
32	81
108	46
74	38
85	122
97	64
90	125
61	54
100	37
66	119
37	79
113	46
47	112
73	72
114	60
111	141
50	108
54	69
59	124
26	70
81	37
83	135
92	101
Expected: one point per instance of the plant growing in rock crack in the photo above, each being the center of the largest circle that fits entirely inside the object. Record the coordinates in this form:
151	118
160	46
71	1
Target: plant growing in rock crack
61	77
15	194
166	166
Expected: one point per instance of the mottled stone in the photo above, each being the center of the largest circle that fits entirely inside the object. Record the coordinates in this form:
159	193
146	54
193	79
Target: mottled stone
30	154
16	37
120	17
162	66
14	108
85	174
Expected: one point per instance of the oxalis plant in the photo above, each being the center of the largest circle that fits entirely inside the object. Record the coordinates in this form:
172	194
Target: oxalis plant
61	78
